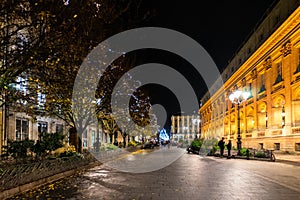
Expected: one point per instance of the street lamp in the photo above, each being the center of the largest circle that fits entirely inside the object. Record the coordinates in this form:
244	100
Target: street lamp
283	116
266	119
239	97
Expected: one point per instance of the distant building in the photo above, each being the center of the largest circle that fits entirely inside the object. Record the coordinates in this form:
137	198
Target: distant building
185	127
267	66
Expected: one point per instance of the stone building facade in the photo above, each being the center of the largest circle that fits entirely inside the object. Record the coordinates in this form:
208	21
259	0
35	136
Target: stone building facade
185	127
268	67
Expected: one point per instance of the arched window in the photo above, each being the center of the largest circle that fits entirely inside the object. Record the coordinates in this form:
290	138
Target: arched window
261	115
277	107
250	119
296	107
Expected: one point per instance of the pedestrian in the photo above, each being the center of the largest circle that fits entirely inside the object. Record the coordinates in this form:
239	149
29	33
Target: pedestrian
229	145
221	144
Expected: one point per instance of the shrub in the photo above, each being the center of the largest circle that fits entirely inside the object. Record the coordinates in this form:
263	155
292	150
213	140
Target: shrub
65	151
108	147
19	149
132	144
48	143
244	152
197	143
111	147
260	155
209	146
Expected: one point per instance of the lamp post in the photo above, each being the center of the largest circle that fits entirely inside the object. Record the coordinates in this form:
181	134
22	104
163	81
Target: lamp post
283	116
239	97
266	119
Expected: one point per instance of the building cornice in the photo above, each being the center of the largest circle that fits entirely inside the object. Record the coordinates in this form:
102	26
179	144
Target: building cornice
272	45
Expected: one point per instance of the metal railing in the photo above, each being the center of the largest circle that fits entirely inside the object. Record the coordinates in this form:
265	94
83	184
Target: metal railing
16	175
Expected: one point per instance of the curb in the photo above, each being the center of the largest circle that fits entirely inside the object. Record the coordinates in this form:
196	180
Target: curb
29	186
290	162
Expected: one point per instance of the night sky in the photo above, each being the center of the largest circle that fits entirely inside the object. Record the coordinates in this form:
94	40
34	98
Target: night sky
220	26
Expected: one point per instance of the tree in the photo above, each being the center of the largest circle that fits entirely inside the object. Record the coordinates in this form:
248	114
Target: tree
46	41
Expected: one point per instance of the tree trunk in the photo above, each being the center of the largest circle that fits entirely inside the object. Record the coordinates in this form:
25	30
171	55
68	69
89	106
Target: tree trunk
110	138
74	138
115	138
79	143
124	141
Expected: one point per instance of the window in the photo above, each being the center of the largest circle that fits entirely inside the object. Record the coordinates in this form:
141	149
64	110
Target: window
21	85
22	129
298	67
297	147
42	128
59	128
261	145
41	100
84	139
262	83
93	137
279	73
276	146
250	90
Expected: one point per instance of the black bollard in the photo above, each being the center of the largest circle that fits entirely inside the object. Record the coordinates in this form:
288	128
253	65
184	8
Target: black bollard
247	154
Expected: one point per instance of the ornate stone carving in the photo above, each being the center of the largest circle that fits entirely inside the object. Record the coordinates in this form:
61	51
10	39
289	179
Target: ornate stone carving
244	82
268	63
254	74
286	49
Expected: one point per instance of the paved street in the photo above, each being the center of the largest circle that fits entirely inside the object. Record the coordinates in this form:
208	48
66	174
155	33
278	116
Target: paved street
189	177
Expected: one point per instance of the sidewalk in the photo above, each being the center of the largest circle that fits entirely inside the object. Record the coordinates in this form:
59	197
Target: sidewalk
288	158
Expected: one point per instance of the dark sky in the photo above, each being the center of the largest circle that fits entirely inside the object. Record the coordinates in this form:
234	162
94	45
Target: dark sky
220	26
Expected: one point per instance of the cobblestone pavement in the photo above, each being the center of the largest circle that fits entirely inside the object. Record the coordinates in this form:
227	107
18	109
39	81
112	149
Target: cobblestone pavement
190	177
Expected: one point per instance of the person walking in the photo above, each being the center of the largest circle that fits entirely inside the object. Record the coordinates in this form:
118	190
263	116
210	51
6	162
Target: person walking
221	144
229	145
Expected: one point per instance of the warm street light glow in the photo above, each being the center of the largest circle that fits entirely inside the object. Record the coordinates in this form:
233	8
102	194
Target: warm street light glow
239	97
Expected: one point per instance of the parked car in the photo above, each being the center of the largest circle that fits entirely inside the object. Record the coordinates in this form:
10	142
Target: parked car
148	145
193	149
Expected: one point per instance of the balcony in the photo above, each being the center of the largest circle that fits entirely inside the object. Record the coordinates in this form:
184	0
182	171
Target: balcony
277	132
296	130
261	134
248	135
